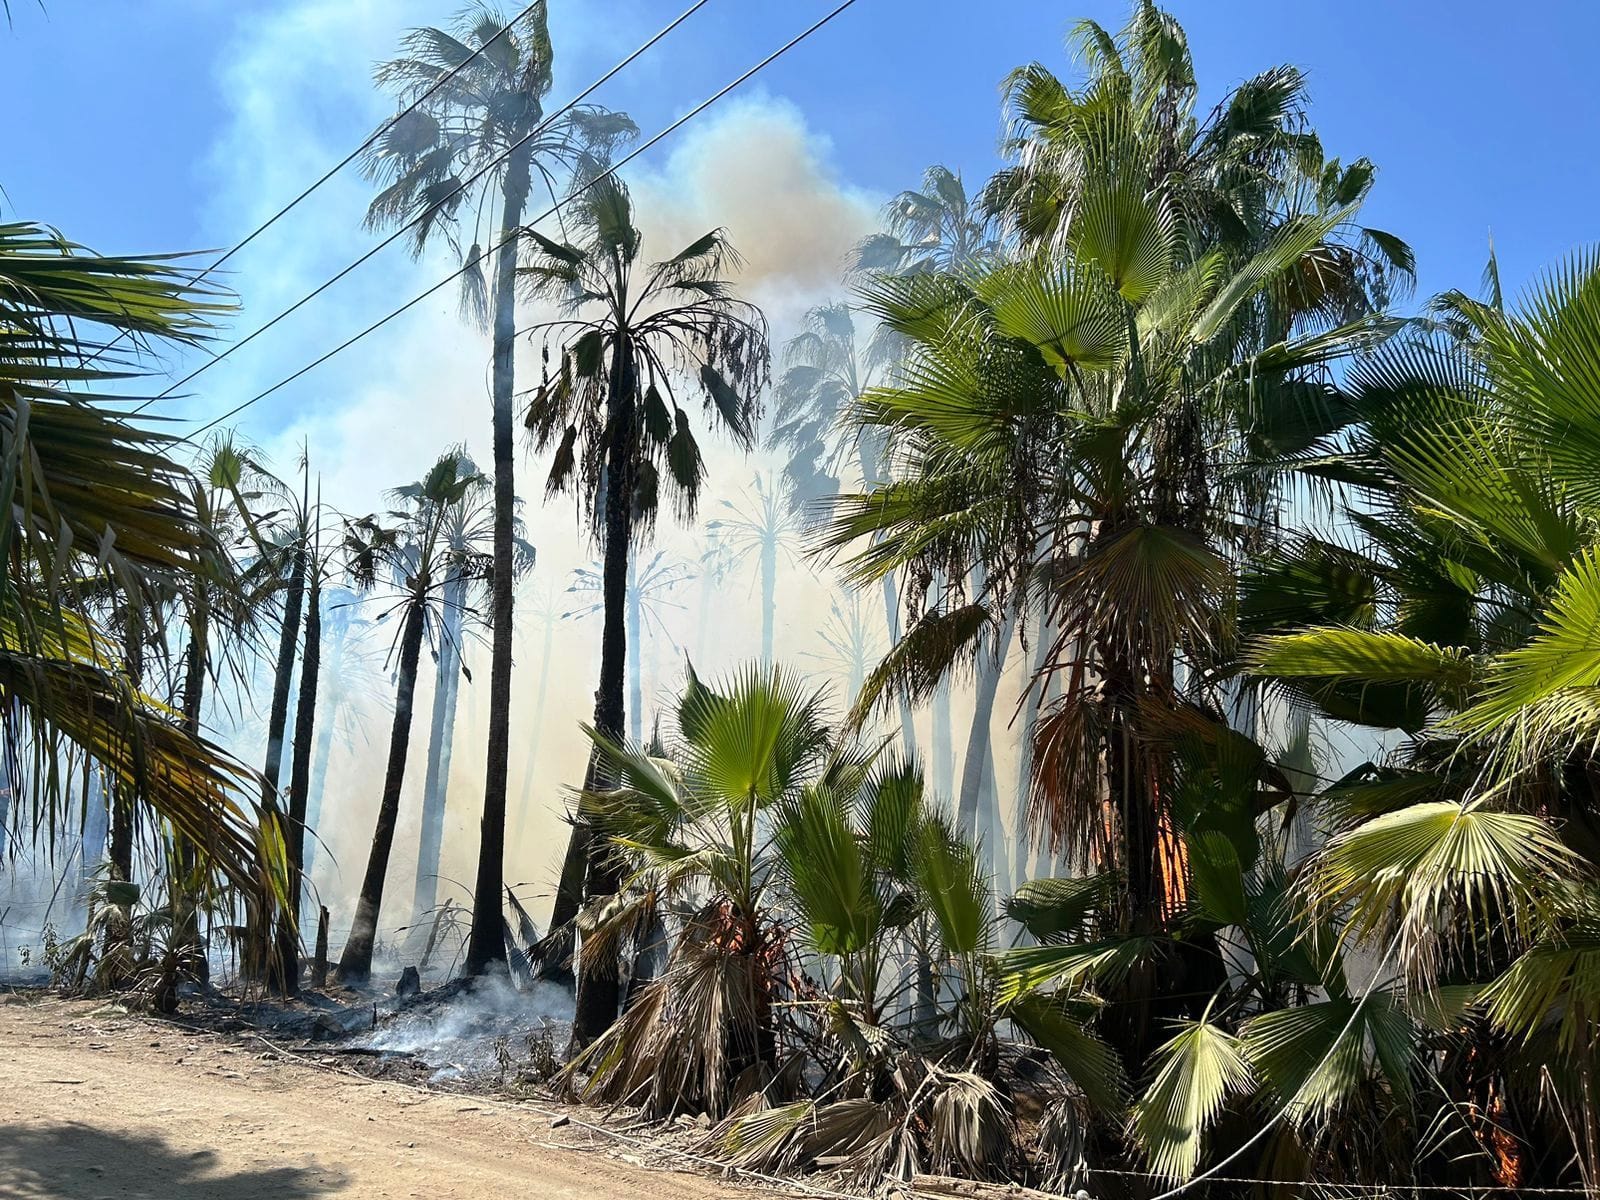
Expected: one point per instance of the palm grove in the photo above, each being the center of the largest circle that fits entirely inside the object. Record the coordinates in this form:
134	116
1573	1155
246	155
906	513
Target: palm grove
1133	423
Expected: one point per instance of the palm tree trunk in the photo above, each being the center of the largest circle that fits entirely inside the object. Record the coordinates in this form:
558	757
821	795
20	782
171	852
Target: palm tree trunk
355	964
598	988
121	797
441	739
487	942
319	776
976	760
283	674
769	592
194	681
635	656
305	719
258	939
891	604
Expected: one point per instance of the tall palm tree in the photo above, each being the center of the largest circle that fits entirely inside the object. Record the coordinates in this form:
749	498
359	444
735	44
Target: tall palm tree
825	371
475	144
764	527
622	442
417	555
1065	402
318	562
470	524
650	589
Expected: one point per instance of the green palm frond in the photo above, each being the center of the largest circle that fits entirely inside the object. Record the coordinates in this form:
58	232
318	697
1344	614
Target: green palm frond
1543	693
1088	1061
1317	1057
1062	310
922	658
1054	910
1436	872
1552	984
1196	1073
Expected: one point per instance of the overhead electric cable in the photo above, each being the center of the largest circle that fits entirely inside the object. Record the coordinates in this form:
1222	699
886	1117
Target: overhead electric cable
339	166
454	275
430	210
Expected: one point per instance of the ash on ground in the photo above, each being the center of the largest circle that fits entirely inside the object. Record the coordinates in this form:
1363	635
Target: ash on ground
476	1033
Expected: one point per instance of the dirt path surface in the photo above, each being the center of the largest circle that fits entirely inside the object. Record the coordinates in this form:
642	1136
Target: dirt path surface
95	1104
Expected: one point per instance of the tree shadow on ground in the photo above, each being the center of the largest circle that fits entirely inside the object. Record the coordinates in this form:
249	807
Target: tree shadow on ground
76	1161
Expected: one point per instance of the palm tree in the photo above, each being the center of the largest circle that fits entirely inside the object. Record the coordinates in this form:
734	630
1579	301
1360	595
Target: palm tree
317	567
650	589
469	525
418	555
1064	402
825	371
939	228
764	527
744	748
622	443
1456	619
475	141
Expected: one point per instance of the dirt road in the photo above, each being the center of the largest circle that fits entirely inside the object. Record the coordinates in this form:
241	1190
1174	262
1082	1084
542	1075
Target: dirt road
95	1104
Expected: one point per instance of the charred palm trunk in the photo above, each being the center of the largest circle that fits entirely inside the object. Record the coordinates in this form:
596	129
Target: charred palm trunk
355	964
598	983
121	795
486	944
305	719
441	739
259	925
186	897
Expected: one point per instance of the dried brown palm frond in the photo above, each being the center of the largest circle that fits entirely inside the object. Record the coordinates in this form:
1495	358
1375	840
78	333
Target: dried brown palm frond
700	1038
970	1127
1067	789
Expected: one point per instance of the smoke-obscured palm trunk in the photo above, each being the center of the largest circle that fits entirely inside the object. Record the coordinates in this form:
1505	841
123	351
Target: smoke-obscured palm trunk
441	739
355	964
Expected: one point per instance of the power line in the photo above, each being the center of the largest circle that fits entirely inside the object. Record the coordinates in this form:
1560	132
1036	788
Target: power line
454	275
339	166
432	208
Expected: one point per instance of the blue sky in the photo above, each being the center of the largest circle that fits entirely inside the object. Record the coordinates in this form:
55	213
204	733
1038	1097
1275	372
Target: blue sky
1479	115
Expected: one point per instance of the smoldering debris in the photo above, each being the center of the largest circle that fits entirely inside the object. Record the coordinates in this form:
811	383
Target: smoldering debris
482	1031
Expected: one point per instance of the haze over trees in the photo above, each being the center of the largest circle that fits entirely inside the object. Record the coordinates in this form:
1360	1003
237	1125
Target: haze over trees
1135	481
